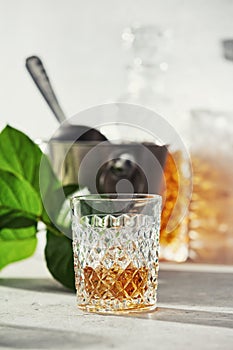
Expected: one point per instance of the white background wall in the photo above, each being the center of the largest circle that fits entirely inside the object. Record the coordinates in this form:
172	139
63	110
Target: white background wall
80	43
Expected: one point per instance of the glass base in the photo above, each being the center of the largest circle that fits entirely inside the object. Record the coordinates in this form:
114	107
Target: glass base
111	311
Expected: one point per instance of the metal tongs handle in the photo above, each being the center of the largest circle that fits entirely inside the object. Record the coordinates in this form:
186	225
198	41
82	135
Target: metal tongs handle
37	71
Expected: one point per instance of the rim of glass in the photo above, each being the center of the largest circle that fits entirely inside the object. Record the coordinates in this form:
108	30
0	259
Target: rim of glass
117	196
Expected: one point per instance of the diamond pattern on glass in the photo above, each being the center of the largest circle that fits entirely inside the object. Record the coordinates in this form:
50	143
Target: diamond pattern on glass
116	261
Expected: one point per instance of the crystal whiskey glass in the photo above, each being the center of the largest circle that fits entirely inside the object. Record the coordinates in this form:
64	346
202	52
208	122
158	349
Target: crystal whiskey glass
115	245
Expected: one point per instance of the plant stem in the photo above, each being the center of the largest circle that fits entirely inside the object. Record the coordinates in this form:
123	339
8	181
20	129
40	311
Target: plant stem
50	227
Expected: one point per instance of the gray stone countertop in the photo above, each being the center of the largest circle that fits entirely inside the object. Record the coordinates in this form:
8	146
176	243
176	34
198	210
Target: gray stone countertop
195	311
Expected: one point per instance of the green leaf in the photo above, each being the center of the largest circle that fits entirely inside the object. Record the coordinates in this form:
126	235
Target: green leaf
62	206
58	250
20	205
16	219
59	258
70	189
53	201
27	179
20	155
16	245
50	190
